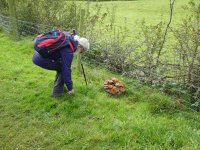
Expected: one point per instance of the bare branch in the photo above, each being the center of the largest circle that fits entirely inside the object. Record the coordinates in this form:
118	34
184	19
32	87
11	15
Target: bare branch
166	30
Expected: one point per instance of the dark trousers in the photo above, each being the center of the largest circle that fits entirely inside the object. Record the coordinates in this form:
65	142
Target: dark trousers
51	64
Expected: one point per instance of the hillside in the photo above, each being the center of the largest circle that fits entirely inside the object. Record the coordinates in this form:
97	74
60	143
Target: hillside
142	118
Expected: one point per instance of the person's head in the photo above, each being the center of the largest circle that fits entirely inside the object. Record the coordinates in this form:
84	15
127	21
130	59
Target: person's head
83	44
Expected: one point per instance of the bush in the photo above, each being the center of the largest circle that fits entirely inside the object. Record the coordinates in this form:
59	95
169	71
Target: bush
3	7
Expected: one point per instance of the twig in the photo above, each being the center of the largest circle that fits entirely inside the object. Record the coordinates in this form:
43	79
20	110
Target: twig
166	30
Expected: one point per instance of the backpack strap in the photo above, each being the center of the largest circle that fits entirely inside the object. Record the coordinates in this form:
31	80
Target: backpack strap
60	44
71	46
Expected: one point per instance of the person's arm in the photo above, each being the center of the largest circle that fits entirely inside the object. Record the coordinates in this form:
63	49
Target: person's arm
66	61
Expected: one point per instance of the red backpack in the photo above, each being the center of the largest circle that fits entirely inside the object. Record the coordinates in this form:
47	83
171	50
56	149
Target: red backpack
49	42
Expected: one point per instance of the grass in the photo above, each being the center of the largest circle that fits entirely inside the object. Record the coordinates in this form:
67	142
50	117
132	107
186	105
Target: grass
153	11
142	118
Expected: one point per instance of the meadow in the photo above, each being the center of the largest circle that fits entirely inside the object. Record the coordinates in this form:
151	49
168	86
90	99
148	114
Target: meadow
141	118
152	11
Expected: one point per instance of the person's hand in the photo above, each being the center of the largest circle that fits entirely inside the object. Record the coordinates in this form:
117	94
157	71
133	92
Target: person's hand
71	92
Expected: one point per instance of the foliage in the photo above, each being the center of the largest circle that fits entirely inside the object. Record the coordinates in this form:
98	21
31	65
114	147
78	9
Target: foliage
3	7
187	48
151	37
139	57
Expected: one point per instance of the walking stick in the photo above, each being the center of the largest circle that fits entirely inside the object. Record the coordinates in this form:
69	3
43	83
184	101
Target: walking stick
83	71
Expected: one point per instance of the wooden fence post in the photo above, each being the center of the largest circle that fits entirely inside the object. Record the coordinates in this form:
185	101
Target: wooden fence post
13	19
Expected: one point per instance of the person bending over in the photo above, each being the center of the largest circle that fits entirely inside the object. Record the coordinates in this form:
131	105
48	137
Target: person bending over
61	61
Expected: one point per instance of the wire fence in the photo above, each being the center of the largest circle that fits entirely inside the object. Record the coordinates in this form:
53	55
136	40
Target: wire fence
24	27
176	73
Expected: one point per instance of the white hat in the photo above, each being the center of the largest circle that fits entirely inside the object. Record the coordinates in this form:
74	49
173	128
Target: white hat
84	43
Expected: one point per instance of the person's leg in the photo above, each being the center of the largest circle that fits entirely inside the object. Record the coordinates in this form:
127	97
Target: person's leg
58	85
51	65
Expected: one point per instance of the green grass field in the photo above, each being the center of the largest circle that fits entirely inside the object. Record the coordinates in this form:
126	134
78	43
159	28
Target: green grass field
142	118
153	11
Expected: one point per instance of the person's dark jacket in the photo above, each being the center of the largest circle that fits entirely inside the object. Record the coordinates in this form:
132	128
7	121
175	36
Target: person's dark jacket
65	56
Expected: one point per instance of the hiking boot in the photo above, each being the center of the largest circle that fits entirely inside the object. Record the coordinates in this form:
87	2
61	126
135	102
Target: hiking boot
58	85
